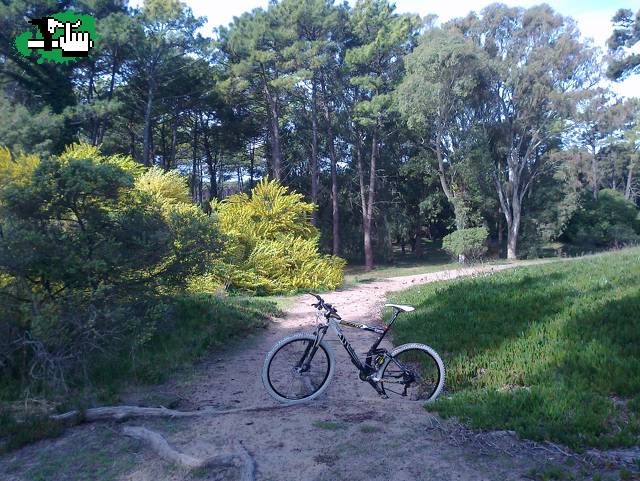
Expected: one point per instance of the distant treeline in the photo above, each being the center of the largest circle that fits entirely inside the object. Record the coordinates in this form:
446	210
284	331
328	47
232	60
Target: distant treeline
397	127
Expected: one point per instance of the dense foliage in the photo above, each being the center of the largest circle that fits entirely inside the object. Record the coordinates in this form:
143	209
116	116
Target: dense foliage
467	244
548	351
397	128
608	221
86	259
271	245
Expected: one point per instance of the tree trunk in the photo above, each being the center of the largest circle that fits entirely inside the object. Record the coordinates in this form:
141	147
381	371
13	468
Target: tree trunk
514	225
499	229
174	141
194	165
418	245
314	152
512	242
276	151
146	137
132	144
594	172
627	190
163	146
446	188
335	214
211	168
368	241
363	197
252	166
511	201
220	176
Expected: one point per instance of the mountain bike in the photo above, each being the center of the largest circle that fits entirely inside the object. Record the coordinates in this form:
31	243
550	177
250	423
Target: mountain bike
300	367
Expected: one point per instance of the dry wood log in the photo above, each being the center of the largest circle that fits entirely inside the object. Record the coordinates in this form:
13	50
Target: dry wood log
120	413
162	448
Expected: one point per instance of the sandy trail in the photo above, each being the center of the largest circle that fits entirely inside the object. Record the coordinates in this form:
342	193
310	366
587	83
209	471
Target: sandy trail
347	434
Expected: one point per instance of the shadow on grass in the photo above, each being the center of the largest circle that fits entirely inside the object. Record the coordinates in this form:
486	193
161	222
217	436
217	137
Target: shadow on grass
548	351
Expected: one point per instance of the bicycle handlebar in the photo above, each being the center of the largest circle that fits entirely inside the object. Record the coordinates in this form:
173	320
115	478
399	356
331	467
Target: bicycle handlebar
321	304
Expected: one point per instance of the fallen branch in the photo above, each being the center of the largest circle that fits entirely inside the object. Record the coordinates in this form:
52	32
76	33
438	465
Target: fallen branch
162	448
120	413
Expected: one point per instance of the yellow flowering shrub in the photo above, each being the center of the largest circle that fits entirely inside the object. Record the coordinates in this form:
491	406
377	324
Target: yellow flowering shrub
85	151
16	168
167	187
271	245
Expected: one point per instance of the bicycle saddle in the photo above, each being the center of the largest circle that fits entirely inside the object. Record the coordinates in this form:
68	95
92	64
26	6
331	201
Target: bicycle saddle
400	307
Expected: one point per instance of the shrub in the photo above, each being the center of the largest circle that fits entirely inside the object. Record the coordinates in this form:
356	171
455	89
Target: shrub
85	260
609	221
167	187
271	245
466	244
16	168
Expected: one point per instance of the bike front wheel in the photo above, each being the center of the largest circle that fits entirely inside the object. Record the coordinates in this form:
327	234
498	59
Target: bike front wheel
414	372
294	373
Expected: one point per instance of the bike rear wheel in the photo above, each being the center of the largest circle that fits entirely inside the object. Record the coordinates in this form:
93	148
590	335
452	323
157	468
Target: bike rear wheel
291	375
414	372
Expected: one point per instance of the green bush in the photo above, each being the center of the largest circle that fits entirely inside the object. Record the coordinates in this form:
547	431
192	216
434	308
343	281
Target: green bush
466	244
85	262
270	245
609	221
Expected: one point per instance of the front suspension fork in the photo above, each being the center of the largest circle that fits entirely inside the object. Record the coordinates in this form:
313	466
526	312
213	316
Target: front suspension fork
304	363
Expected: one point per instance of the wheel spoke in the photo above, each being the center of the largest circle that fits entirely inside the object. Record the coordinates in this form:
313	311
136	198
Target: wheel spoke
415	369
283	374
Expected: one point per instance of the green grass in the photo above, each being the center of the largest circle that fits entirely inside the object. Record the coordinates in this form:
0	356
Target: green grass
329	425
357	275
550	351
194	326
432	259
197	324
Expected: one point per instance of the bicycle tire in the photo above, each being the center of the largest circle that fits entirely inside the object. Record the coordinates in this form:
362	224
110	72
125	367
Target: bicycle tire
268	382
431	353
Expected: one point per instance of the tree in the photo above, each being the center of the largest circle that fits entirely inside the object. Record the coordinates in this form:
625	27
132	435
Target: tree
254	48
118	250
626	34
381	38
319	27
540	66
446	76
167	33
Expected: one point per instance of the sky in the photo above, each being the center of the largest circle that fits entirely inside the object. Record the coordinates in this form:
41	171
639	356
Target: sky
593	17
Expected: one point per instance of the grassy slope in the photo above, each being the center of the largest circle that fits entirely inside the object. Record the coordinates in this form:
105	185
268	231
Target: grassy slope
196	325
550	351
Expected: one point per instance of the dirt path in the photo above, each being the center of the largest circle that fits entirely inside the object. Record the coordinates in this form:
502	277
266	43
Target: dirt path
347	434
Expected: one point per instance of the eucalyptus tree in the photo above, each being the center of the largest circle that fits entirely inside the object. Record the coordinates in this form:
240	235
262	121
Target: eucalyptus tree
380	38
541	67
446	79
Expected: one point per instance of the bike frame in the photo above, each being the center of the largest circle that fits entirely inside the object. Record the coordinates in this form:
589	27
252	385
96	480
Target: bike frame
366	369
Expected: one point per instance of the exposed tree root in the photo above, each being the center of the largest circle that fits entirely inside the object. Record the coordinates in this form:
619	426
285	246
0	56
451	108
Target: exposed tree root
120	413
242	460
